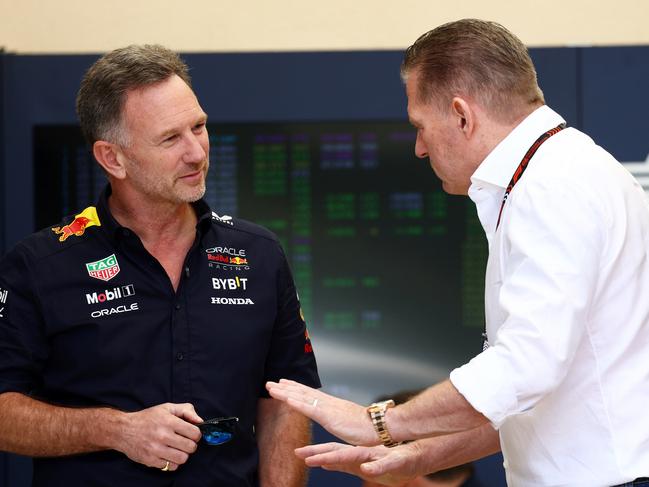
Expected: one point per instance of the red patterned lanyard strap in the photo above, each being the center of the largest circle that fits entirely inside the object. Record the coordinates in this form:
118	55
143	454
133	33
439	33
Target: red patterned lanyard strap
526	160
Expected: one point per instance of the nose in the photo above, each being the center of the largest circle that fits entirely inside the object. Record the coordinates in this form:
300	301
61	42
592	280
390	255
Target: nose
421	150
194	149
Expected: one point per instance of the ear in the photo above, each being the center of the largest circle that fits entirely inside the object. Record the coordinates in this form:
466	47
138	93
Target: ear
110	157
465	115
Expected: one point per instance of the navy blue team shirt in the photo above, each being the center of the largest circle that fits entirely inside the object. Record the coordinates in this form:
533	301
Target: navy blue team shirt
89	318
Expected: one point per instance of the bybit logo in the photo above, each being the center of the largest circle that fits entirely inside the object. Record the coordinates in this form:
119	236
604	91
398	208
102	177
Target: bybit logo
232	283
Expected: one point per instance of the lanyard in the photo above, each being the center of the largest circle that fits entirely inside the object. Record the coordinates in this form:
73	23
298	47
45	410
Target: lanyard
517	175
526	160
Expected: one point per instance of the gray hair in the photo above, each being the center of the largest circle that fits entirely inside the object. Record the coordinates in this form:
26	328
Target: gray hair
104	87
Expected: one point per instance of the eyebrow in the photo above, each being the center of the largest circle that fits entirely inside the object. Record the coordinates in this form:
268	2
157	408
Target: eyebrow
174	130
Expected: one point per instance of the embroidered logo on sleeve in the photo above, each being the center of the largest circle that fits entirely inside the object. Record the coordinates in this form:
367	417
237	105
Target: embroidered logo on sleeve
308	348
87	218
3	301
227	219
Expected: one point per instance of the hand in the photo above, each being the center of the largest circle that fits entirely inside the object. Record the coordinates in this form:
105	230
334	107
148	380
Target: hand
345	419
388	466
161	434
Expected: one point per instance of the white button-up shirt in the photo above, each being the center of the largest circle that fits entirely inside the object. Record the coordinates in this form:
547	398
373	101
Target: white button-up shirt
566	377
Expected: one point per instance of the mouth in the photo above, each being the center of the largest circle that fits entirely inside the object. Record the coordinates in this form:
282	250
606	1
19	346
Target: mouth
193	176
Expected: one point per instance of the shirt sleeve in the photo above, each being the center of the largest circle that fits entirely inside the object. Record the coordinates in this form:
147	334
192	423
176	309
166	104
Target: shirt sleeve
290	354
549	261
23	346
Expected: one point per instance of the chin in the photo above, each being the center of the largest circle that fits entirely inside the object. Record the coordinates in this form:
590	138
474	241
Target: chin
454	189
189	194
195	196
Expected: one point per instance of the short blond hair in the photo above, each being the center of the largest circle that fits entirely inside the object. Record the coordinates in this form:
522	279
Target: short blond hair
477	59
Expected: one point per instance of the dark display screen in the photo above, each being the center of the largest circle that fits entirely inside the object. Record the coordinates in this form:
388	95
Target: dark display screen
389	268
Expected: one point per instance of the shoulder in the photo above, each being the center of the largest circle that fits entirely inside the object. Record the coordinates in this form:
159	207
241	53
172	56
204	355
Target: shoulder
242	228
60	237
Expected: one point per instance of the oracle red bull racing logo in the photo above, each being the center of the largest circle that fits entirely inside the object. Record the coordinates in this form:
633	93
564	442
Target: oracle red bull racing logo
77	227
227	258
104	269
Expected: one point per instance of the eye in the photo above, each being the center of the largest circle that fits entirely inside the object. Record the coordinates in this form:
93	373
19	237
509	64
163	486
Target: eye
199	127
170	139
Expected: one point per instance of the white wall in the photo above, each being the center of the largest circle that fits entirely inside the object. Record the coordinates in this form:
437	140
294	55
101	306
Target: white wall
82	26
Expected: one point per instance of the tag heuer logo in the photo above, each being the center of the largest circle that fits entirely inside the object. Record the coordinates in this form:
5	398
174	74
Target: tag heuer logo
104	269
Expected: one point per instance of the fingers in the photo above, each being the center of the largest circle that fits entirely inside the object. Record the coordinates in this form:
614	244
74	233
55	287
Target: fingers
183	442
184	424
344	419
159	434
303	399
173	456
338	455
185	411
384	464
310	450
288	389
187	431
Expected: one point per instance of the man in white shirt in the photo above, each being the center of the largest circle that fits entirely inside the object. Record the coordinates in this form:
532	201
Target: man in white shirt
563	383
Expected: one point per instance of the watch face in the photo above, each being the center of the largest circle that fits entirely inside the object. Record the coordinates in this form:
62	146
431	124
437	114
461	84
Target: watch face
381	406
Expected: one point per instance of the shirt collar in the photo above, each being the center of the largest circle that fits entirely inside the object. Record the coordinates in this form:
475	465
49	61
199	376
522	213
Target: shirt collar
498	167
115	231
489	181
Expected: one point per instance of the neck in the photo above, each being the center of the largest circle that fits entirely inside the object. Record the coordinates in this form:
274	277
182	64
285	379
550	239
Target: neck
154	222
498	131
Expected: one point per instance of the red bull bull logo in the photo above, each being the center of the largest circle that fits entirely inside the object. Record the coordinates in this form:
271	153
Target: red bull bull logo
87	218
238	261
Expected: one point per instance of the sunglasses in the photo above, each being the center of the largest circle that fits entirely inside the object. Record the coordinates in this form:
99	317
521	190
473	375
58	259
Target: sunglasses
217	431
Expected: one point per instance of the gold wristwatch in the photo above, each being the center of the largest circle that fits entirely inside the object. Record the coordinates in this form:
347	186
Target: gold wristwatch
377	415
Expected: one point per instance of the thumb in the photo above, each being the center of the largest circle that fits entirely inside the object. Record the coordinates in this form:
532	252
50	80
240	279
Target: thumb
187	412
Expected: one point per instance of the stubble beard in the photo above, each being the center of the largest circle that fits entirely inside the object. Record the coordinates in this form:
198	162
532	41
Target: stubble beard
190	194
163	190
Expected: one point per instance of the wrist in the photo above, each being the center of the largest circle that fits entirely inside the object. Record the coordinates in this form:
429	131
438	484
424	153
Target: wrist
377	413
392	422
106	428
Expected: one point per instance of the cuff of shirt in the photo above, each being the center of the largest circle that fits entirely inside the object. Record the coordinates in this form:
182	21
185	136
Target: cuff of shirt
483	383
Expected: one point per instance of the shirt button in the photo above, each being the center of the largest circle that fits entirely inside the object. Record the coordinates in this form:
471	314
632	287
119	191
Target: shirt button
177	307
179	356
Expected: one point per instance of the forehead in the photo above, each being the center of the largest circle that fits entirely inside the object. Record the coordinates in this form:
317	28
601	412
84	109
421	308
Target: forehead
161	105
419	111
415	104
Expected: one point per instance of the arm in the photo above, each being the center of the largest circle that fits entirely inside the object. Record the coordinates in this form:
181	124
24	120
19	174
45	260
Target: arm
393	466
152	436
280	431
440	409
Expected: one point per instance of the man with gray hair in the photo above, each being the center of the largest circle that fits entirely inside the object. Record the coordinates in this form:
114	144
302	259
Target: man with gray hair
563	381
137	335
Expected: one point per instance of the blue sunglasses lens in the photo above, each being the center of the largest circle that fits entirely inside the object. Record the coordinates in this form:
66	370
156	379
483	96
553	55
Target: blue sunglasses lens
216	437
218	430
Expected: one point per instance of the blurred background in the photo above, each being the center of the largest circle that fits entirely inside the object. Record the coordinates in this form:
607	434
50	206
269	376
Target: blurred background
309	137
